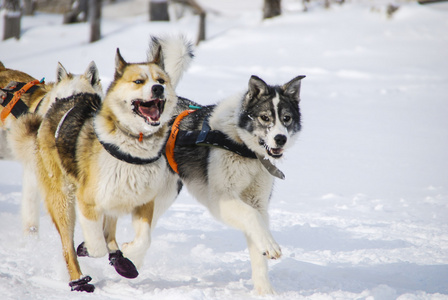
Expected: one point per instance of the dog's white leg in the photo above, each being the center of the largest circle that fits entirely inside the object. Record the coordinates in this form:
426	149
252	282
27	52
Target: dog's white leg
30	202
259	264
110	229
145	217
141	221
93	233
244	217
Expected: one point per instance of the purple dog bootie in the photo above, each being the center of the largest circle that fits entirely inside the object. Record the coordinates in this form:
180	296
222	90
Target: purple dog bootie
82	285
122	265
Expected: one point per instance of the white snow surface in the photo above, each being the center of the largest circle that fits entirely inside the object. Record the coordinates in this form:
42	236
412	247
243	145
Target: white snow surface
363	211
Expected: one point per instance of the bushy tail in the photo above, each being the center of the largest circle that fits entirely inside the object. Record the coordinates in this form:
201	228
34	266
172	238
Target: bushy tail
177	54
22	137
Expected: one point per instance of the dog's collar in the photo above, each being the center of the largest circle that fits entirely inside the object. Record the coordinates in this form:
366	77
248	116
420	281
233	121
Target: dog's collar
140	136
126	157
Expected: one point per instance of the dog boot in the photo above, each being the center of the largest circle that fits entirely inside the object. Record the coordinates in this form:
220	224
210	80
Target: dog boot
82	285
122	265
82	250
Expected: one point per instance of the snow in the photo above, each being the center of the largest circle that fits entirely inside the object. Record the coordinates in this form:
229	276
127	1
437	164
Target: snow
362	213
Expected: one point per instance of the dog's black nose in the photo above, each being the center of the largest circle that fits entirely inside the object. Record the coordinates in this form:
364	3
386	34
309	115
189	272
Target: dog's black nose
157	90
280	139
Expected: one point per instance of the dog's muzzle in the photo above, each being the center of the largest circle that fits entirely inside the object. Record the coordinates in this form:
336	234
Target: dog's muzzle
277	152
150	110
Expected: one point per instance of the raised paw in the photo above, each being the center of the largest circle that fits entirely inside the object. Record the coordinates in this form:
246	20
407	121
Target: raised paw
123	265
82	250
82	285
272	251
92	250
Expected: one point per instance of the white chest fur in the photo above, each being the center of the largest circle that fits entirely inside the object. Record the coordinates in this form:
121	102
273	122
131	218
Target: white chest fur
124	186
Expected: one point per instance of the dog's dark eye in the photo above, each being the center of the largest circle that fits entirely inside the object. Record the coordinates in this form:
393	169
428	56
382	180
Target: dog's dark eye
264	118
286	119
138	81
161	81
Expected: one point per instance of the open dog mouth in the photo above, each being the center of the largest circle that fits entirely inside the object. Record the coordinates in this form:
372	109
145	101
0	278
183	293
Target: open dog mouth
274	152
149	110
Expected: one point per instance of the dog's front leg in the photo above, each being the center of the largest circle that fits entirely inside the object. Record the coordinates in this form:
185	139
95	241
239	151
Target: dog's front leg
250	221
92	228
110	229
259	264
141	220
260	242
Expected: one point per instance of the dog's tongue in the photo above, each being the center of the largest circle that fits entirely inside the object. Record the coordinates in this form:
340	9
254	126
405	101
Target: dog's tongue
151	111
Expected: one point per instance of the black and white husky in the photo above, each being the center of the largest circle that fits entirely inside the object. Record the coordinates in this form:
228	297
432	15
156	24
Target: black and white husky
233	177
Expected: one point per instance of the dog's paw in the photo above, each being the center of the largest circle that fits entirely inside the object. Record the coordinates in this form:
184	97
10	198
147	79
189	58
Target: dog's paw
92	250
122	265
135	252
81	251
272	250
264	289
82	285
32	231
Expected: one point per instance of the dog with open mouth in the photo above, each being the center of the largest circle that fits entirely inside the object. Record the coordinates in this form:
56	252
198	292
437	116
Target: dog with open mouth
225	155
103	158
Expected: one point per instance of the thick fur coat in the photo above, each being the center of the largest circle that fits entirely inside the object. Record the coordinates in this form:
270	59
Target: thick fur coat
104	159
237	189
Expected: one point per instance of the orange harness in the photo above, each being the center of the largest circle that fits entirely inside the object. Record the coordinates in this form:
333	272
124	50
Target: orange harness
172	139
17	95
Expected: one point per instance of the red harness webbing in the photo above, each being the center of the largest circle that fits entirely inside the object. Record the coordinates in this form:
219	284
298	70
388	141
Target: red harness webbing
172	139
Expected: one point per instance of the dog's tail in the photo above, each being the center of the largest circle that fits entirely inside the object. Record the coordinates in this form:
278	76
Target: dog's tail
2	66
22	137
177	54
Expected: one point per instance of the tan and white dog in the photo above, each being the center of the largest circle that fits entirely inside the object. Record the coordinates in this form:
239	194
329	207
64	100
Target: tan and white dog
21	131
105	157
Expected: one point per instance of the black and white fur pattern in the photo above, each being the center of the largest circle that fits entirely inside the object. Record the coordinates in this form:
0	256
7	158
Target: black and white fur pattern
236	189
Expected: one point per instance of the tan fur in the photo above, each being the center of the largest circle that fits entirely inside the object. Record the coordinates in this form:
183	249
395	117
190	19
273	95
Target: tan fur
22	132
30	99
104	187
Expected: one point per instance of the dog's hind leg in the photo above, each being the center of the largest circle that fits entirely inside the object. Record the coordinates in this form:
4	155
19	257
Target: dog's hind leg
22	139
62	212
30	202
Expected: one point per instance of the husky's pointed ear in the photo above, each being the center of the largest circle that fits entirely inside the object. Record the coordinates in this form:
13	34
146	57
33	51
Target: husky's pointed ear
158	58
292	88
92	74
120	64
61	72
256	87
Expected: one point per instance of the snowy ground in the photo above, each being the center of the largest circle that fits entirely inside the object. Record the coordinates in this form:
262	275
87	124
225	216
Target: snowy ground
363	211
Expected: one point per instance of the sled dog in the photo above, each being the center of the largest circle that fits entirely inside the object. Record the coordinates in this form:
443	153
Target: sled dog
234	175
22	124
106	159
9	79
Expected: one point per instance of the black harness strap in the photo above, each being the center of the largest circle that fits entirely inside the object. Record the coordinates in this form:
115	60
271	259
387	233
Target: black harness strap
216	138
126	157
20	107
